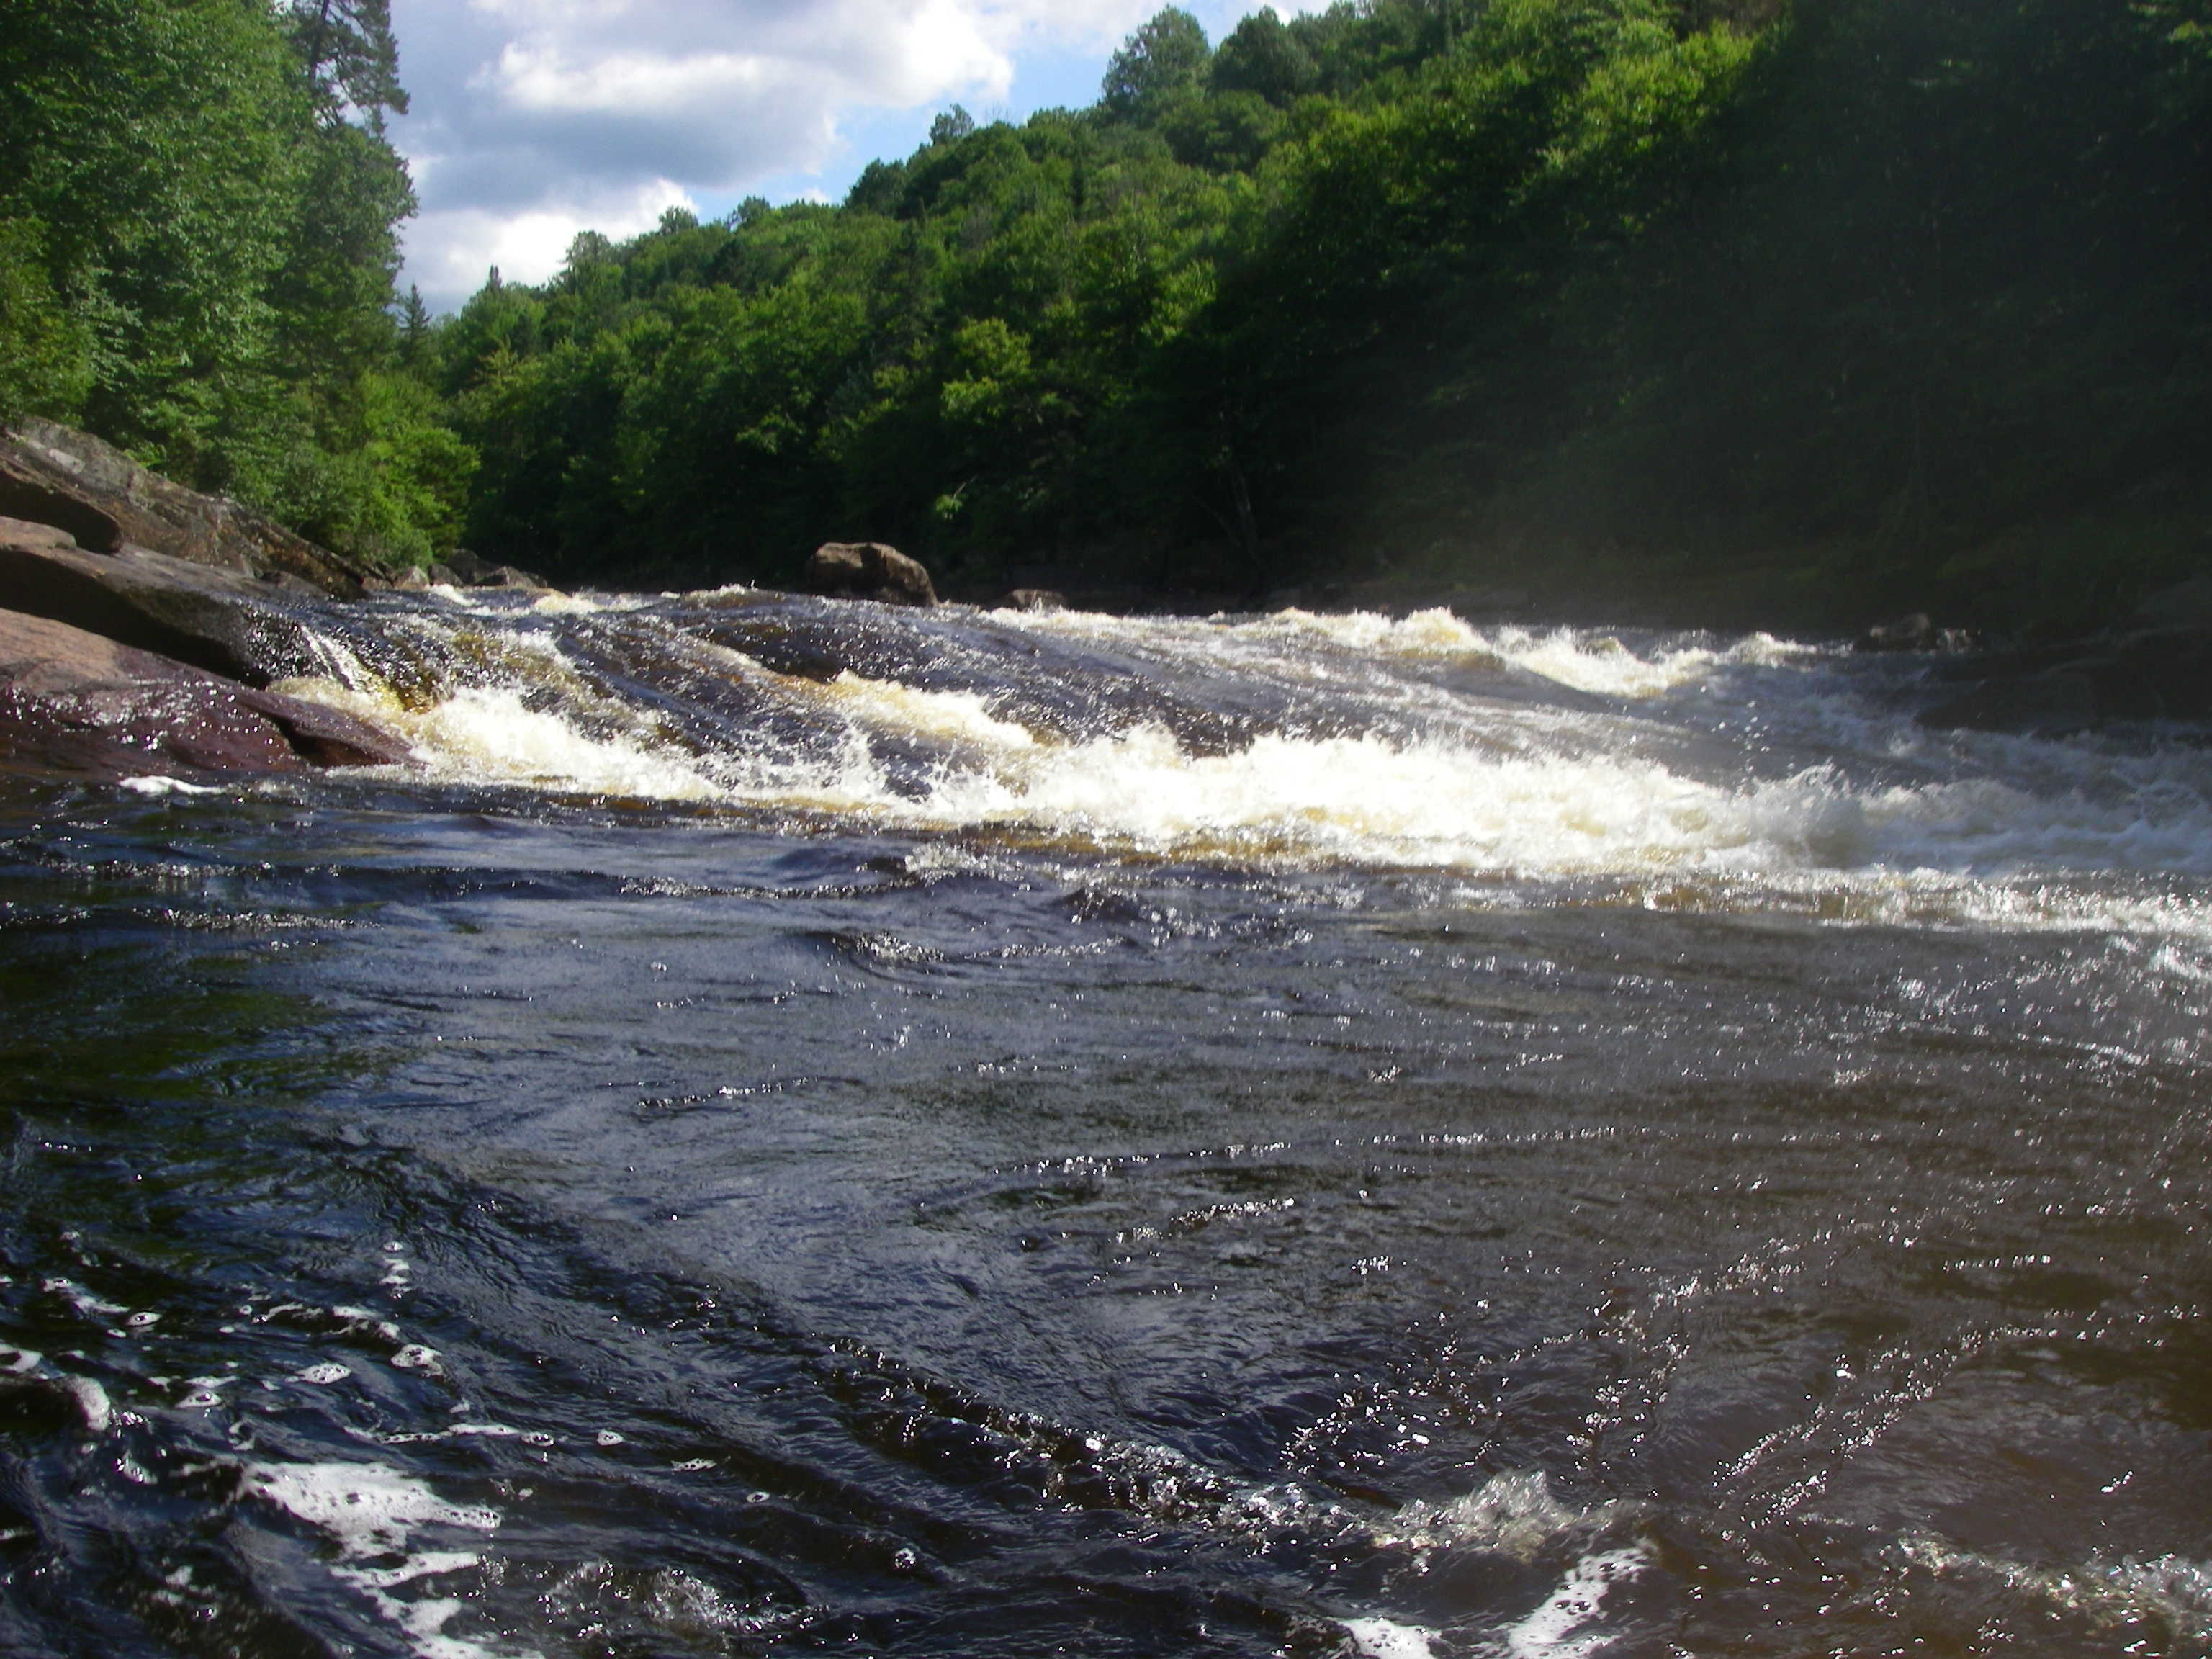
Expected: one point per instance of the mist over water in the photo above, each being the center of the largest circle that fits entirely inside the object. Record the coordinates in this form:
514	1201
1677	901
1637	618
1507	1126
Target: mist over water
802	1127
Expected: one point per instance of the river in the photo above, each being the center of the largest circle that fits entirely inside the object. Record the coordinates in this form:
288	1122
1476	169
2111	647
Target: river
803	1126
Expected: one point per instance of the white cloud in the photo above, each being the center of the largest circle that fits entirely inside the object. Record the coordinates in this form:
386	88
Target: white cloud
451	250
534	118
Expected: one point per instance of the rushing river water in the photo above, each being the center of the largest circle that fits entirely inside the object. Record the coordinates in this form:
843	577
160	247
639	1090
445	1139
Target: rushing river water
802	1127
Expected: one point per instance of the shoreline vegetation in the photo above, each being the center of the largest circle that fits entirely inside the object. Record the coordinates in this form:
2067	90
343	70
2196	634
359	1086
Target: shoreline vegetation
150	631
1729	313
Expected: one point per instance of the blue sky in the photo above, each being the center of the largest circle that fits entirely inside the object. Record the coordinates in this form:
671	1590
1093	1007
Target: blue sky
532	120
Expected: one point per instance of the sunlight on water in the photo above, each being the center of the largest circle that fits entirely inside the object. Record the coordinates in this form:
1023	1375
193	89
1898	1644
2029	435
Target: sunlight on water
1676	784
490	734
803	1127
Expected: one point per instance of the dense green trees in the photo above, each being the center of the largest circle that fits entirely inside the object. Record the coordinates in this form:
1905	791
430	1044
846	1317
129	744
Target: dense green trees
197	215
1132	337
1833	306
1885	300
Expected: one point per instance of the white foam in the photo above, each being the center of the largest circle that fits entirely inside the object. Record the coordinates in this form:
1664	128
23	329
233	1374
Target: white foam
1444	777
1386	1638
1599	663
1513	1515
369	1508
166	786
373	1510
1560	1627
2175	1589
92	1403
1425	634
553	603
492	734
1362	800
955	716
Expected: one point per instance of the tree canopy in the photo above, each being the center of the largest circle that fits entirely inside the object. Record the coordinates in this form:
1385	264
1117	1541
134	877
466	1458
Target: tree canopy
198	219
1864	299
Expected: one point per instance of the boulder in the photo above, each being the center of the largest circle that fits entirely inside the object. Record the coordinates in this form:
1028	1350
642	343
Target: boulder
2184	604
106	499
2156	674
72	701
30	533
1913	632
462	569
222	621
868	570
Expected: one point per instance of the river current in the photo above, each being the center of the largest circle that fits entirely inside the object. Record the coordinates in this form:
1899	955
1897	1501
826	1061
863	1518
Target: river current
803	1126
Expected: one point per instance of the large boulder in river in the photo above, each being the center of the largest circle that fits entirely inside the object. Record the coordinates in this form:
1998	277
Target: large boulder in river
72	701
868	570
462	569
52	475
222	621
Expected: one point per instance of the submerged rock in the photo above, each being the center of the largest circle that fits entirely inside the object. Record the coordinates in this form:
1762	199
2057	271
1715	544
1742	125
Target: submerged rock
1916	631
2154	674
74	701
868	570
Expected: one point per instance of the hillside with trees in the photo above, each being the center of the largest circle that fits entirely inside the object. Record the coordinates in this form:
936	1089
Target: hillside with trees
199	236
1731	309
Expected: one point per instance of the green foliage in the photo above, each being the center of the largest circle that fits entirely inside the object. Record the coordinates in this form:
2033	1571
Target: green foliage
163	233
1947	280
1165	60
951	126
1518	291
1159	324
200	213
1263	57
45	352
350	55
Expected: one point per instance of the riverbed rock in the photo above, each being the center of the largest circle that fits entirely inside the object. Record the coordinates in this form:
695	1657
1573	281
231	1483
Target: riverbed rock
1916	631
2151	674
868	570
222	621
462	569
2181	604
76	702
56	476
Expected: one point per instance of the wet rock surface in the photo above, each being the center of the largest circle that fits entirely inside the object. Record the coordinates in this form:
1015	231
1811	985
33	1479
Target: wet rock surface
222	621
144	623
76	702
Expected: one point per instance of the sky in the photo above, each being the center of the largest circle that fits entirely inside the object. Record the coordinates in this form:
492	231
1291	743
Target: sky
531	120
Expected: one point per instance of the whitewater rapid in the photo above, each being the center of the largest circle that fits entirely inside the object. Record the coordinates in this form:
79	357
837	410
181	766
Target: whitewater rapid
1683	770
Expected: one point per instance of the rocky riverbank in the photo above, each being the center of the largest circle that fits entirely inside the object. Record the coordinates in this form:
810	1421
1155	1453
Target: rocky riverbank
142	623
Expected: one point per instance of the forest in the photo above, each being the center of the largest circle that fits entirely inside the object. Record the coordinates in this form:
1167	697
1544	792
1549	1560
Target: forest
1731	311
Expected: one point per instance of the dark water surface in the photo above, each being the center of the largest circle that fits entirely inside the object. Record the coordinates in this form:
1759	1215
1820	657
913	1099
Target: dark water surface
803	1128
